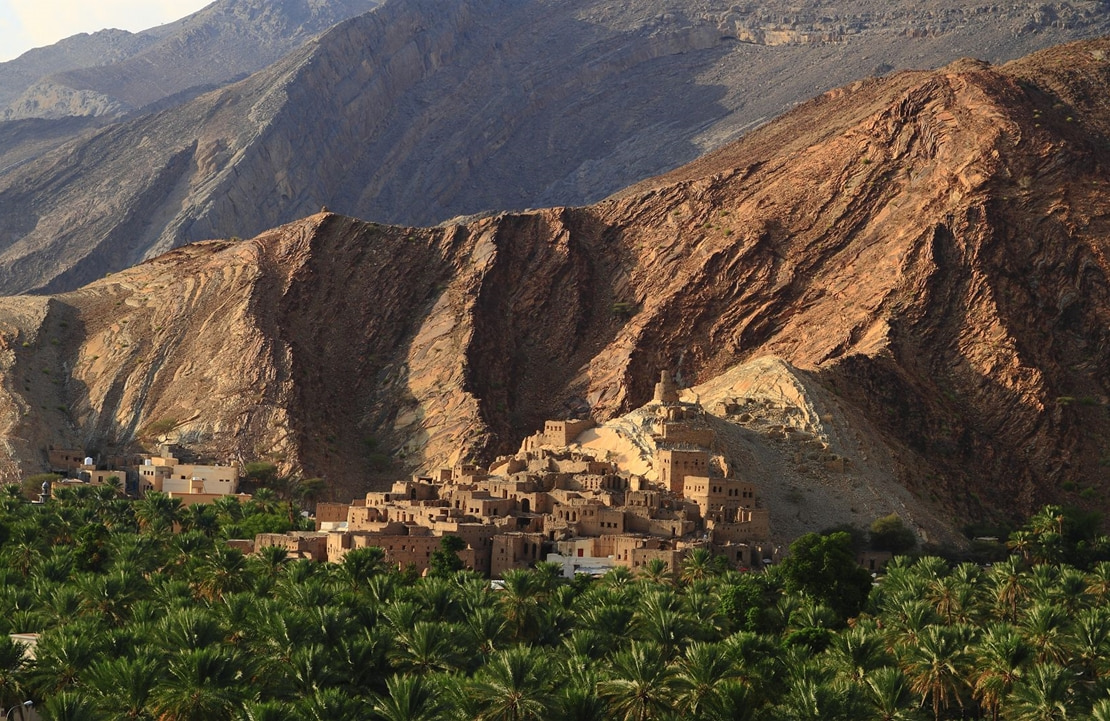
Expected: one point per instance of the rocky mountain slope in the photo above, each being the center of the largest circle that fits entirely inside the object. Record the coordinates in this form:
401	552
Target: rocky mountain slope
80	51
925	255
114	71
428	109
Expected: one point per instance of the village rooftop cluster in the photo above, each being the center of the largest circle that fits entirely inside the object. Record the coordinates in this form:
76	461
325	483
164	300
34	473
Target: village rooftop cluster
553	500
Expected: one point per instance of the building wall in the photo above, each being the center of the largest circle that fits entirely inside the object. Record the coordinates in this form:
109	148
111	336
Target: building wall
191	499
217	479
676	527
562	433
753	525
403	550
243	545
169	478
309	545
674	465
589	565
65	459
151	477
331	513
672	557
514	550
98	477
718	493
680	433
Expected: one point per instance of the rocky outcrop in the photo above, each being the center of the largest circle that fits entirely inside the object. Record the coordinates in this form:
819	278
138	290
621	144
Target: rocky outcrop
79	51
925	254
426	110
113	71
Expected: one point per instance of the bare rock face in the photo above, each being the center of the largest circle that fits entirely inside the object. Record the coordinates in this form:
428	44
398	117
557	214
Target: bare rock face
83	50
925	252
112	72
425	110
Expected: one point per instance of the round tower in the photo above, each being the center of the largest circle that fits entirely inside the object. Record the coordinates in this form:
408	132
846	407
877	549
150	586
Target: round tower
665	390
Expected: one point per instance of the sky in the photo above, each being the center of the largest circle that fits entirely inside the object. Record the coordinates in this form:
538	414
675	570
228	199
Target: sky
26	24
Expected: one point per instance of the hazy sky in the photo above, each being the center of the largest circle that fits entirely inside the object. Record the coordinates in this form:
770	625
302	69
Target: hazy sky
26	24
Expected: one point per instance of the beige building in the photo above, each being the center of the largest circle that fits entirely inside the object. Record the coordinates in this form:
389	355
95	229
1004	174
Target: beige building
515	550
332	516
713	494
411	547
674	464
298	544
557	433
552	494
166	474
64	460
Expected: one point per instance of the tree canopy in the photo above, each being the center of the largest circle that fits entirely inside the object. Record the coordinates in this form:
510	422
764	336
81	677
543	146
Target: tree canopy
139	622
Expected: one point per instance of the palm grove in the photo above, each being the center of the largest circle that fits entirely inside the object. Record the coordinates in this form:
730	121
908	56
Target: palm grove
138	621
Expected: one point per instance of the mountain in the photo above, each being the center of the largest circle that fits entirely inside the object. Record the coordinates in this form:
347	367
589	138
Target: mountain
911	270
424	110
84	50
114	71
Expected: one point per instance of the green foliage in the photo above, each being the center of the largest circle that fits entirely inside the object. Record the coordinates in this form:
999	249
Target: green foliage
889	533
825	568
625	309
159	427
445	560
1059	534
32	485
376	459
139	622
860	537
260	472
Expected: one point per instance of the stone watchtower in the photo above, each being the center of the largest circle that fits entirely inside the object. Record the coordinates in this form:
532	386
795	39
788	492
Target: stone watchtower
665	390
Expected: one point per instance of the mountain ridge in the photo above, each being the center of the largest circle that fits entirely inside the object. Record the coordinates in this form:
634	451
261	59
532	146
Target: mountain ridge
114	72
928	248
400	116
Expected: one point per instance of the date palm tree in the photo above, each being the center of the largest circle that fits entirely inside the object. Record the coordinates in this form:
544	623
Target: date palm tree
660	620
200	685
122	687
427	647
889	695
63	654
856	652
360	565
71	706
1045	627
332	704
511	687
1002	657
1009	586
1043	695
157	513
1098	582
656	572
937	666
699	673
815	694
13	659
483	630
640	685
700	564
223	570
188	629
408	698
1089	643
955	598
520	602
